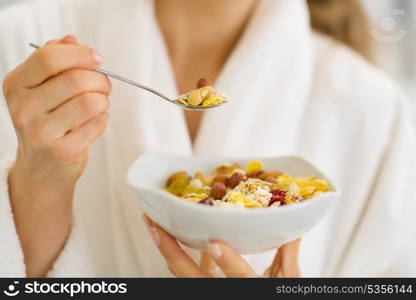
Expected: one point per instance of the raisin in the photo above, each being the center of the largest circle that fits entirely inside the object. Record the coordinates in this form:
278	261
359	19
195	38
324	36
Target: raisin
206	201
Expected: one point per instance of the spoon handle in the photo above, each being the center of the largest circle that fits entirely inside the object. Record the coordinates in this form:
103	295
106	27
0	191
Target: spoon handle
121	78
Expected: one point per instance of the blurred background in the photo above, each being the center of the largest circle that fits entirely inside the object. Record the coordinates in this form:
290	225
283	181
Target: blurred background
393	29
394	38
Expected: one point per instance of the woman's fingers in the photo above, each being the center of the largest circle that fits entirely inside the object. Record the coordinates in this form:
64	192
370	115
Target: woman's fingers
78	140
179	262
74	113
68	85
69	39
207	263
286	261
53	59
230	262
290	259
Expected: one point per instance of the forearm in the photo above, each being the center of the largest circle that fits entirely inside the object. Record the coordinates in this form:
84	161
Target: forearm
42	214
56	118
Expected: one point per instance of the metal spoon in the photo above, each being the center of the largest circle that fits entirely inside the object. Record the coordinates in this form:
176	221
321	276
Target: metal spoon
139	85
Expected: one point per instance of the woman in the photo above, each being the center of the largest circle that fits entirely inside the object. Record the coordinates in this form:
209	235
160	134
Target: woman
293	91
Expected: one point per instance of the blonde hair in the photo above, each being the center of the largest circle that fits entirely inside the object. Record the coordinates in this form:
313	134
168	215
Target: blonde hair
345	21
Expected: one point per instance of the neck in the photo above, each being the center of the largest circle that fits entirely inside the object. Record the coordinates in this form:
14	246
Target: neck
201	31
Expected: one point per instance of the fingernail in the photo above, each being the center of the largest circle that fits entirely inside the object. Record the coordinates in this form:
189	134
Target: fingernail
98	57
66	37
155	235
214	250
69	39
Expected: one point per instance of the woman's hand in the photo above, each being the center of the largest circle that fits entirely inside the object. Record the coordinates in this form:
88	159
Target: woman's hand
285	263
58	106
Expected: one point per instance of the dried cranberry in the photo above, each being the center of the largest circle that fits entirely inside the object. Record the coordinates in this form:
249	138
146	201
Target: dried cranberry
206	201
278	195
273	200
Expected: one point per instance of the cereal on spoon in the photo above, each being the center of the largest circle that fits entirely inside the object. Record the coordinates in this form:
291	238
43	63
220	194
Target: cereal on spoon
230	186
204	96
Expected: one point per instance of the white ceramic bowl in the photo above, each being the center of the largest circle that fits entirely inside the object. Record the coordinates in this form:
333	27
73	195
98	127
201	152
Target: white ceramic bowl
246	230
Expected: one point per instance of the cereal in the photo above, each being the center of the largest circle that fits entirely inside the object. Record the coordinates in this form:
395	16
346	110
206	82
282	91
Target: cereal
212	101
175	176
204	96
231	187
195	187
178	183
206	180
254	166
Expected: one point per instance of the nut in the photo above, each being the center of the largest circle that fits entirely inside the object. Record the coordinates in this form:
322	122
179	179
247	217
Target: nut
227	169
270	179
218	190
273	174
256	174
203	82
220	178
235	179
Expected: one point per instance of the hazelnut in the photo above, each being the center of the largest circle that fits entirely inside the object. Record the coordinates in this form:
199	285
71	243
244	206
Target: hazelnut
203	82
270	179
265	175
256	174
229	168
235	179
220	178
218	190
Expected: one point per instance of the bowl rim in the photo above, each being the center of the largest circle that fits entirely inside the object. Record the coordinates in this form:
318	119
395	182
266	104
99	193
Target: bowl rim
229	211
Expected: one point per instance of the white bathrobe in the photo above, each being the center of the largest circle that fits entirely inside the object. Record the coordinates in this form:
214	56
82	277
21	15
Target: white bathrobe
292	91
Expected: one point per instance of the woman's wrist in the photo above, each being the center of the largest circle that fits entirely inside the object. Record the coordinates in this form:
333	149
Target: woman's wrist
42	215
